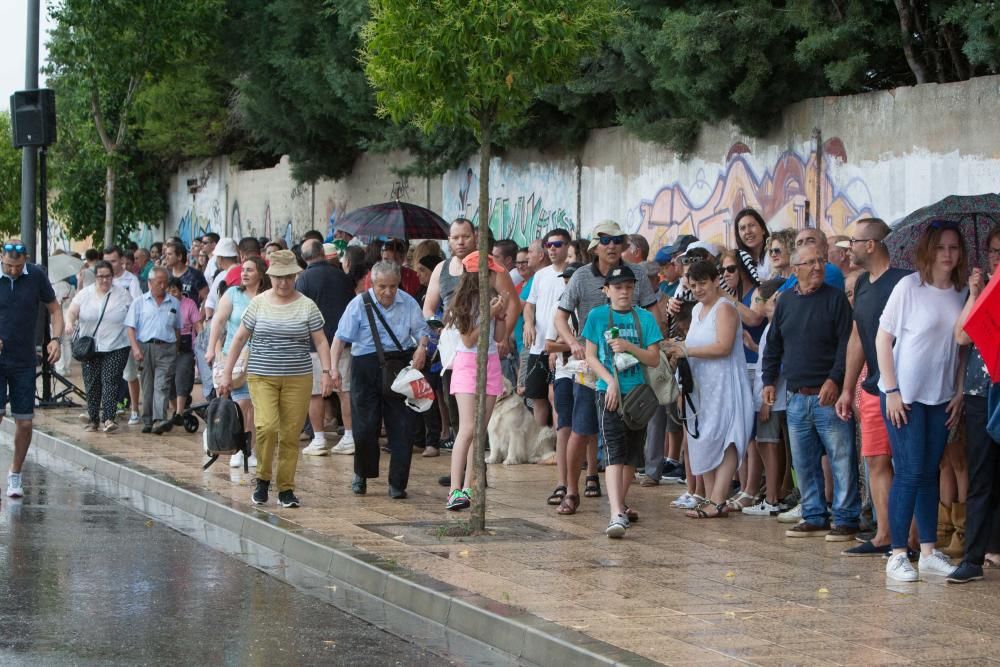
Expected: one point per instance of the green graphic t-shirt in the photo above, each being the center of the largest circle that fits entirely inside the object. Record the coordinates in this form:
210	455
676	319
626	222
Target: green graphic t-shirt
597	324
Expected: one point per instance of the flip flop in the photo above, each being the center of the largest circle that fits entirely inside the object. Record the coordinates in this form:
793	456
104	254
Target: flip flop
557	495
721	512
569	503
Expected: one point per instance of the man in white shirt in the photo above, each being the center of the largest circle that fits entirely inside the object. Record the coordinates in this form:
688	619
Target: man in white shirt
210	243
539	313
130	282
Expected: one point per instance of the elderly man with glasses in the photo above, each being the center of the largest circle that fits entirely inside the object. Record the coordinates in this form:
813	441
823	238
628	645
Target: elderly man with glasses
813	238
807	342
23	286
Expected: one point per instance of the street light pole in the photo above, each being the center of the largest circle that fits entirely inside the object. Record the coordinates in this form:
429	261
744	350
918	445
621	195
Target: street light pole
29	154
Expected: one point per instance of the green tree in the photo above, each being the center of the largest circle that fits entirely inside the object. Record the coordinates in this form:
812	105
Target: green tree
114	49
10	181
478	65
79	169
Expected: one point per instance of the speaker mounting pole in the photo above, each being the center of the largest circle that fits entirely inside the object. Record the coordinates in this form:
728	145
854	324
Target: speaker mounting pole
29	156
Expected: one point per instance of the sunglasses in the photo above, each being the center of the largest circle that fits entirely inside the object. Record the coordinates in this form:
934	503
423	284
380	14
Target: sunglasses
608	240
945	224
555	244
730	269
692	260
104	276
16	248
774	251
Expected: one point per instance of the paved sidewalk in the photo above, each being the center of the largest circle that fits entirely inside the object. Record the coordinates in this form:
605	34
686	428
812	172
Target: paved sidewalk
675	590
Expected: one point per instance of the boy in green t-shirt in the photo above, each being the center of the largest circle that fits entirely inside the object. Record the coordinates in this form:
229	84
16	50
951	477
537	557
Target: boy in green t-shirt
605	345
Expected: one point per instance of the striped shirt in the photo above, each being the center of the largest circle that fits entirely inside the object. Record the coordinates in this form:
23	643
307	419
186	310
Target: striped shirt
280	335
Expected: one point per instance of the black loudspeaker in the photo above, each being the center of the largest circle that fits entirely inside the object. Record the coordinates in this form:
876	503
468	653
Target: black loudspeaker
33	117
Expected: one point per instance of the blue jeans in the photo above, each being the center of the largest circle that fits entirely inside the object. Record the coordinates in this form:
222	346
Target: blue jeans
815	430
916	454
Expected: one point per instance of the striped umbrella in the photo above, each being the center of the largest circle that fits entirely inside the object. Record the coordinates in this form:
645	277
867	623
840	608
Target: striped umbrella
394	219
974	215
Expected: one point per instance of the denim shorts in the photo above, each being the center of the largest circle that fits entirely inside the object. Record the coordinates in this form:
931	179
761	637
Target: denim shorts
17	386
562	391
584	410
624	446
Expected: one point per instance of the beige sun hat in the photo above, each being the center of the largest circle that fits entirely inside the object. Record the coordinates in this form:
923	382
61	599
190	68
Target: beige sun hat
283	264
608	228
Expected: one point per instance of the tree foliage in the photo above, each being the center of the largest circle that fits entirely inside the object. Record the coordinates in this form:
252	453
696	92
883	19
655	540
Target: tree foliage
10	181
477	65
113	50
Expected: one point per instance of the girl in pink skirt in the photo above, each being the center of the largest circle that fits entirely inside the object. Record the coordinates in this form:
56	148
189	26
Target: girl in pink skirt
463	314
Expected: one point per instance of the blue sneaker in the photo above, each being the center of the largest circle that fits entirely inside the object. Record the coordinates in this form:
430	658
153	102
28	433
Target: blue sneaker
964	573
458	500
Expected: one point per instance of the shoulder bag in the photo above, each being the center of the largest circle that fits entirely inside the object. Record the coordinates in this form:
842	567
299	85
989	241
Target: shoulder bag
391	363
637	407
84	348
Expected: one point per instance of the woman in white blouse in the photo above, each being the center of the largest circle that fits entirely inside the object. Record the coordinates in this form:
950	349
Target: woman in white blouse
99	311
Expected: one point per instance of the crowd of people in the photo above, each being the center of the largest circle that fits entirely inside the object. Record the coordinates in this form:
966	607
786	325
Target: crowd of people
821	386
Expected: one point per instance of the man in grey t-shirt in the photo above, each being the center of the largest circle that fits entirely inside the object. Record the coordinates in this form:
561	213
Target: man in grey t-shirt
585	292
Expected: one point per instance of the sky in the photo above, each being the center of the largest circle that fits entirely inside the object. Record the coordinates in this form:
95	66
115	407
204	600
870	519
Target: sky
13	34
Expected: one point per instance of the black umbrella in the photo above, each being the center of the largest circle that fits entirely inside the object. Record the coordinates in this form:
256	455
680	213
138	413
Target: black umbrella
973	215
394	219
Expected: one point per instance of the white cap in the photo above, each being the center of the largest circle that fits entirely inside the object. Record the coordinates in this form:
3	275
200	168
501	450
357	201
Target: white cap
712	249
226	247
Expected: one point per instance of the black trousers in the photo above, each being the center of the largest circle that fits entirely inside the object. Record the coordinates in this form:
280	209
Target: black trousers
369	408
982	523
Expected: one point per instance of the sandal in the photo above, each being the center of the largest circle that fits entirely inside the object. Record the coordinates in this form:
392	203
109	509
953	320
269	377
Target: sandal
721	512
593	487
631	514
569	504
991	560
557	495
739	501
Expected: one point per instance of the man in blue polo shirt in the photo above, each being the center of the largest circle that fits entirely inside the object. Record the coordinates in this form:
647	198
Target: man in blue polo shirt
22	287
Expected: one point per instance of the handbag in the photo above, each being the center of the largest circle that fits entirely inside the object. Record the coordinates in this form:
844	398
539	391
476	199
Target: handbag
391	363
638	406
84	348
686	380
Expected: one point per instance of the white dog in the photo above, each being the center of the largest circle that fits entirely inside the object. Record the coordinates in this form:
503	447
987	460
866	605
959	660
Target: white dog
515	437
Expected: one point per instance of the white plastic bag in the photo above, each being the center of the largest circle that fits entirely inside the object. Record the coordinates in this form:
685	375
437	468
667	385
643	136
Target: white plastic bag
448	346
412	384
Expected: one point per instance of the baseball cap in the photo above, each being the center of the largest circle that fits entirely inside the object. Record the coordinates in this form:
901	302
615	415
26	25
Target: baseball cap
330	251
608	228
846	245
711	248
471	263
619	274
680	244
226	247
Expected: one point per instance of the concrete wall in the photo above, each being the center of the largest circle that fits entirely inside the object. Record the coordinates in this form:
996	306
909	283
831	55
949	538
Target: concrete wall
884	154
213	195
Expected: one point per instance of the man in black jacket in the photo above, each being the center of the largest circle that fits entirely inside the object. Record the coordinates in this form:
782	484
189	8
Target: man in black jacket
808	343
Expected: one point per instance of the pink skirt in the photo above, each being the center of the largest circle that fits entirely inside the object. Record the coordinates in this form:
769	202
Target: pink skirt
463	374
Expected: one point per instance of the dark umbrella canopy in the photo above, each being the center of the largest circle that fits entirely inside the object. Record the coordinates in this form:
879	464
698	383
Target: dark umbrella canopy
394	219
974	215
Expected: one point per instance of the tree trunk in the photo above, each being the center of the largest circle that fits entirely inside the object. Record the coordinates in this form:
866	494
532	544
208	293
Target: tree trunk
109	205
906	29
477	518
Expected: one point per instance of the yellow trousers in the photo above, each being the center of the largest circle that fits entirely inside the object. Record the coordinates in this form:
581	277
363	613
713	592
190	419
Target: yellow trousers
280	406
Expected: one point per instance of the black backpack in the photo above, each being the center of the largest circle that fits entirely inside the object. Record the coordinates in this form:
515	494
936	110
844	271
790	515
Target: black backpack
224	432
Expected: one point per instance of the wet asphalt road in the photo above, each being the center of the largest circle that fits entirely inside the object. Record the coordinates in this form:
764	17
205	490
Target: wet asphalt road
86	581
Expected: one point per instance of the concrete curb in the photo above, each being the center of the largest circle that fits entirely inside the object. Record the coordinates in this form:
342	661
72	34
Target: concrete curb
436	615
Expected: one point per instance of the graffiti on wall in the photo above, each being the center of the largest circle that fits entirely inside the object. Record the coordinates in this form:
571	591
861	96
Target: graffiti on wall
143	236
194	224
246	226
783	193
334	211
529	203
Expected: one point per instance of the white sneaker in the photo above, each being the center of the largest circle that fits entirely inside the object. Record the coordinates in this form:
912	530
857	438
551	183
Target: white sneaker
793	515
253	460
83	417
345	446
14	487
134	419
687	501
316	448
763	508
899	568
936	563
236	460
